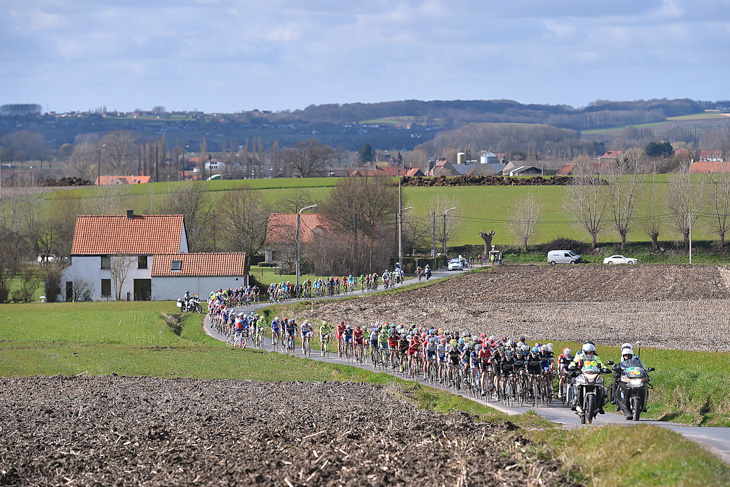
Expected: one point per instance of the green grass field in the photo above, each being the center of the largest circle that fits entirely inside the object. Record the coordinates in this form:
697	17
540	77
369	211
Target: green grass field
133	339
479	208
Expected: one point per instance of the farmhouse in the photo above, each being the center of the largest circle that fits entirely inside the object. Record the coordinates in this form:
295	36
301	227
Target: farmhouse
143	257
281	235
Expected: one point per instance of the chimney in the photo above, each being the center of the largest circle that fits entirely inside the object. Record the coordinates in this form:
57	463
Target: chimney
130	214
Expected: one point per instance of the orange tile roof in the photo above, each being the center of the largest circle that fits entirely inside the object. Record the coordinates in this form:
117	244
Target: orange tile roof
200	264
117	234
282	227
704	167
106	180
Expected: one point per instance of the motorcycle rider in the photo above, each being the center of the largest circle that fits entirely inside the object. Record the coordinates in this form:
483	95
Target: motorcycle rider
628	359
587	354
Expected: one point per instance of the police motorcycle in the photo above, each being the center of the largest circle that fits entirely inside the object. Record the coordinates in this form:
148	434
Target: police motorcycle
190	303
632	391
590	390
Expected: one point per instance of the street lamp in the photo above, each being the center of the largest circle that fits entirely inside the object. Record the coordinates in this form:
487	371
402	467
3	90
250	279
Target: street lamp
299	218
452	208
400	235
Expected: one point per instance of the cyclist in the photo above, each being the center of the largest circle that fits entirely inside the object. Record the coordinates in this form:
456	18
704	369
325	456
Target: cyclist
564	360
339	335
324	336
290	327
307	333
454	355
348	336
358	334
275	331
403	348
374	332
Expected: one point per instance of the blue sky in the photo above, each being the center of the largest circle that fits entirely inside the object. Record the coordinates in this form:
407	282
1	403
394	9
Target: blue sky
228	56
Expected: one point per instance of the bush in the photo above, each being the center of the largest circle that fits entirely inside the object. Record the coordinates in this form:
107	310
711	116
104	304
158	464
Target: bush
567	244
266	264
52	283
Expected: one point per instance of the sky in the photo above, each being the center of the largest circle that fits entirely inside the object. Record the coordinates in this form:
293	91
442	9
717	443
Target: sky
234	55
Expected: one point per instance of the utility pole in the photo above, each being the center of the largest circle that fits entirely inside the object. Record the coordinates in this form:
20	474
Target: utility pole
452	208
434	240
299	218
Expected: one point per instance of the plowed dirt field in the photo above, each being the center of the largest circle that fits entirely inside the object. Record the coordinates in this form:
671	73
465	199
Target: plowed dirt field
670	307
147	431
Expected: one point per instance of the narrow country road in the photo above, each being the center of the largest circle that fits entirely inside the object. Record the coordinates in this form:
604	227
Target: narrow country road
715	439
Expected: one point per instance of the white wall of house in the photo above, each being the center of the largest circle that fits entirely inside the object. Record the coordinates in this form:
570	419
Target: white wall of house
172	288
89	269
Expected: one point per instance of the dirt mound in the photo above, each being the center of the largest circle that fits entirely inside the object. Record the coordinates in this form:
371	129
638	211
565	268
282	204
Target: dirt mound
113	430
685	307
485	181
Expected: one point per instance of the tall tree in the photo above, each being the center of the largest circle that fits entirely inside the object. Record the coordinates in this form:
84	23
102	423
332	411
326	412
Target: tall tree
684	200
623	190
118	152
308	158
651	221
243	217
366	154
720	199
586	198
523	219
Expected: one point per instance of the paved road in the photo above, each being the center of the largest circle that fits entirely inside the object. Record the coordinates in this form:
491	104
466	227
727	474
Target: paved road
716	440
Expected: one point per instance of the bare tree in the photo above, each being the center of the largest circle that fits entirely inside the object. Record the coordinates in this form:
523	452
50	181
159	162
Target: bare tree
307	158
623	190
720	196
684	200
119	151
362	210
107	200
243	219
295	202
119	268
83	160
651	221
586	198
523	218
191	200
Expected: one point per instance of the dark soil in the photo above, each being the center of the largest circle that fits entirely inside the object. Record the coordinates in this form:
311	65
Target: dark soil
147	431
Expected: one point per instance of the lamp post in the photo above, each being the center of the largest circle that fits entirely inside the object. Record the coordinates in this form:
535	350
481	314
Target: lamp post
452	208
400	235
299	218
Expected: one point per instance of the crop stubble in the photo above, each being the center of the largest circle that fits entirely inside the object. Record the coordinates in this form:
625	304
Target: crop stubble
151	431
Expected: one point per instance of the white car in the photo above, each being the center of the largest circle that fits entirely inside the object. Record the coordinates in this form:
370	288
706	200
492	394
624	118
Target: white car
619	259
456	264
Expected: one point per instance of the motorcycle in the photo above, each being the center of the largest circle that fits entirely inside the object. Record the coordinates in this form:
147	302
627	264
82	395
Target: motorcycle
589	388
192	304
428	274
632	391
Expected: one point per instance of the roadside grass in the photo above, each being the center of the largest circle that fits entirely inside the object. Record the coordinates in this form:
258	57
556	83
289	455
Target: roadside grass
612	456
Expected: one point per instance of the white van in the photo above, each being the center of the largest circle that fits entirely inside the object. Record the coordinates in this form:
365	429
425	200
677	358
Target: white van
562	257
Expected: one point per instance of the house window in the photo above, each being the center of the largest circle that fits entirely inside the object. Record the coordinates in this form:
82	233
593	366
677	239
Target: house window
106	288
106	262
142	262
176	265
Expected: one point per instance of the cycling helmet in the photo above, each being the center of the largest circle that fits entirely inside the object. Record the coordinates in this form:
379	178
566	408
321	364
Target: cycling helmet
508	353
520	352
324	323
461	341
549	347
566	351
492	338
535	350
589	348
357	327
348	327
477	347
277	319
